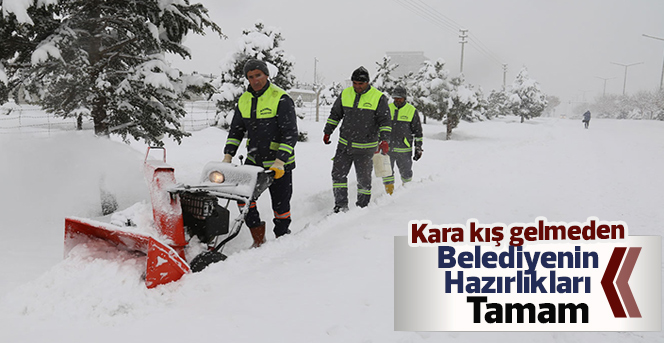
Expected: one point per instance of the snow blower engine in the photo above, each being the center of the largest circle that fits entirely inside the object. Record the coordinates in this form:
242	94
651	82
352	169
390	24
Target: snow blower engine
180	212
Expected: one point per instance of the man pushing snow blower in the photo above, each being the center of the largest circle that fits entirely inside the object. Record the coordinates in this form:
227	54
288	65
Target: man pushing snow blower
266	114
181	212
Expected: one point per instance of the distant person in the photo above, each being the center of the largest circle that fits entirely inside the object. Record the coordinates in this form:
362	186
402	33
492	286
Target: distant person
265	114
406	134
365	128
586	119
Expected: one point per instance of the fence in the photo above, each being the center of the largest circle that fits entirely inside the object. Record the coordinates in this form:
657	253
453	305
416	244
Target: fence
28	119
33	120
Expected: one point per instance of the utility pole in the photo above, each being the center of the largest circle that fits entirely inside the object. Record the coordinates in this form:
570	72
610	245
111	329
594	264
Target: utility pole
605	79
661	79
625	78
316	89
462	36
504	74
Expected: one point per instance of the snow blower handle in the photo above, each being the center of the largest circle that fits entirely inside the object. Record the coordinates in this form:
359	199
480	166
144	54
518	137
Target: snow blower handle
147	153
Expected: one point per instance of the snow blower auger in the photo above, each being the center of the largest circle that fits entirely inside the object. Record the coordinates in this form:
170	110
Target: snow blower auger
180	213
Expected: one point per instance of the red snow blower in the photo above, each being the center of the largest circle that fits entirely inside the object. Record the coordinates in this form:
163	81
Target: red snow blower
180	212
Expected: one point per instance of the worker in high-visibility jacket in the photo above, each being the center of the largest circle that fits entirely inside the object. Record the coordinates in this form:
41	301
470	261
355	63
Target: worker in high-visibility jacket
365	129
406	135
266	113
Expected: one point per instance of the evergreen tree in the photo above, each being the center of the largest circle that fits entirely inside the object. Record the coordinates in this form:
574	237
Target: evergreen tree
106	59
525	97
383	79
498	104
19	36
330	93
262	43
431	90
465	104
406	80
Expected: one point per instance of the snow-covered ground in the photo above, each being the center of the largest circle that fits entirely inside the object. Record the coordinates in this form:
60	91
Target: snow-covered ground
332	279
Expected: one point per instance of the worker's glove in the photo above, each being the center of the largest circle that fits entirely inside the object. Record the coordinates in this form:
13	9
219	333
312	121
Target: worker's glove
227	158
418	153
326	139
383	147
278	168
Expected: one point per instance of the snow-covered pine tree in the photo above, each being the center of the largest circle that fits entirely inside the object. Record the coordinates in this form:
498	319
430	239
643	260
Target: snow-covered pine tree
406	80
383	79
498	104
464	104
260	42
20	33
330	93
525	97
479	113
431	90
106	59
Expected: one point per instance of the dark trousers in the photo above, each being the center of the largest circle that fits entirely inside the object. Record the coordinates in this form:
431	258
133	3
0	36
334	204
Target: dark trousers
340	169
404	162
281	192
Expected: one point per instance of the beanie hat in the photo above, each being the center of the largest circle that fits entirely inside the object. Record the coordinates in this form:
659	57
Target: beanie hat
360	74
399	92
253	64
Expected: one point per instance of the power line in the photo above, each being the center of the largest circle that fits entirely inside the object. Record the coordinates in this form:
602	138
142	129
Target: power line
480	46
427	15
431	14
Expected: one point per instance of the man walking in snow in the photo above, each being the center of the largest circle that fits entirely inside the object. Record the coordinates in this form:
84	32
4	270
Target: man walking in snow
267	115
406	133
365	129
586	119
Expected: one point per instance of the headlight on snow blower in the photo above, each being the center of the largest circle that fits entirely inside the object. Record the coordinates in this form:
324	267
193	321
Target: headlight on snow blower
216	177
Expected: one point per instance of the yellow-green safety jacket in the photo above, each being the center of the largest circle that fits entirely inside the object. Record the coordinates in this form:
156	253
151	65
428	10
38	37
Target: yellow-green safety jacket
406	128
268	119
364	118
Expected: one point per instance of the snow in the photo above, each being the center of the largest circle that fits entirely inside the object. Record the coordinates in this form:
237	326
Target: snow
18	8
157	73
331	280
3	74
466	95
42	53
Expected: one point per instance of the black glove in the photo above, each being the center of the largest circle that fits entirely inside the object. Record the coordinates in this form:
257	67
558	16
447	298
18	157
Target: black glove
418	153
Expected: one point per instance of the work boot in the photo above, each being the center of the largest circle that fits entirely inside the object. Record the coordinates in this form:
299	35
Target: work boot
338	209
258	233
389	188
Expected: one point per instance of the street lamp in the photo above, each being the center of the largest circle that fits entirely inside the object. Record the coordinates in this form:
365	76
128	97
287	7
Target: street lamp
625	78
605	79
661	80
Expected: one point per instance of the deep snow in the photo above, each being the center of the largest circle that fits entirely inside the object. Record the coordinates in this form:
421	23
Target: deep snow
332	279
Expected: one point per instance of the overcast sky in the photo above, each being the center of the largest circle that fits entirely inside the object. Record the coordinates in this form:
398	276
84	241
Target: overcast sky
567	45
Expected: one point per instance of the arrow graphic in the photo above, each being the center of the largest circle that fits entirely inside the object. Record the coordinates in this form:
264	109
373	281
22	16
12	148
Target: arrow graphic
623	286
607	282
612	294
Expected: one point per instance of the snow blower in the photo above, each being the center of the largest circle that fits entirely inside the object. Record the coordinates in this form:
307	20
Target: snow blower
180	212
